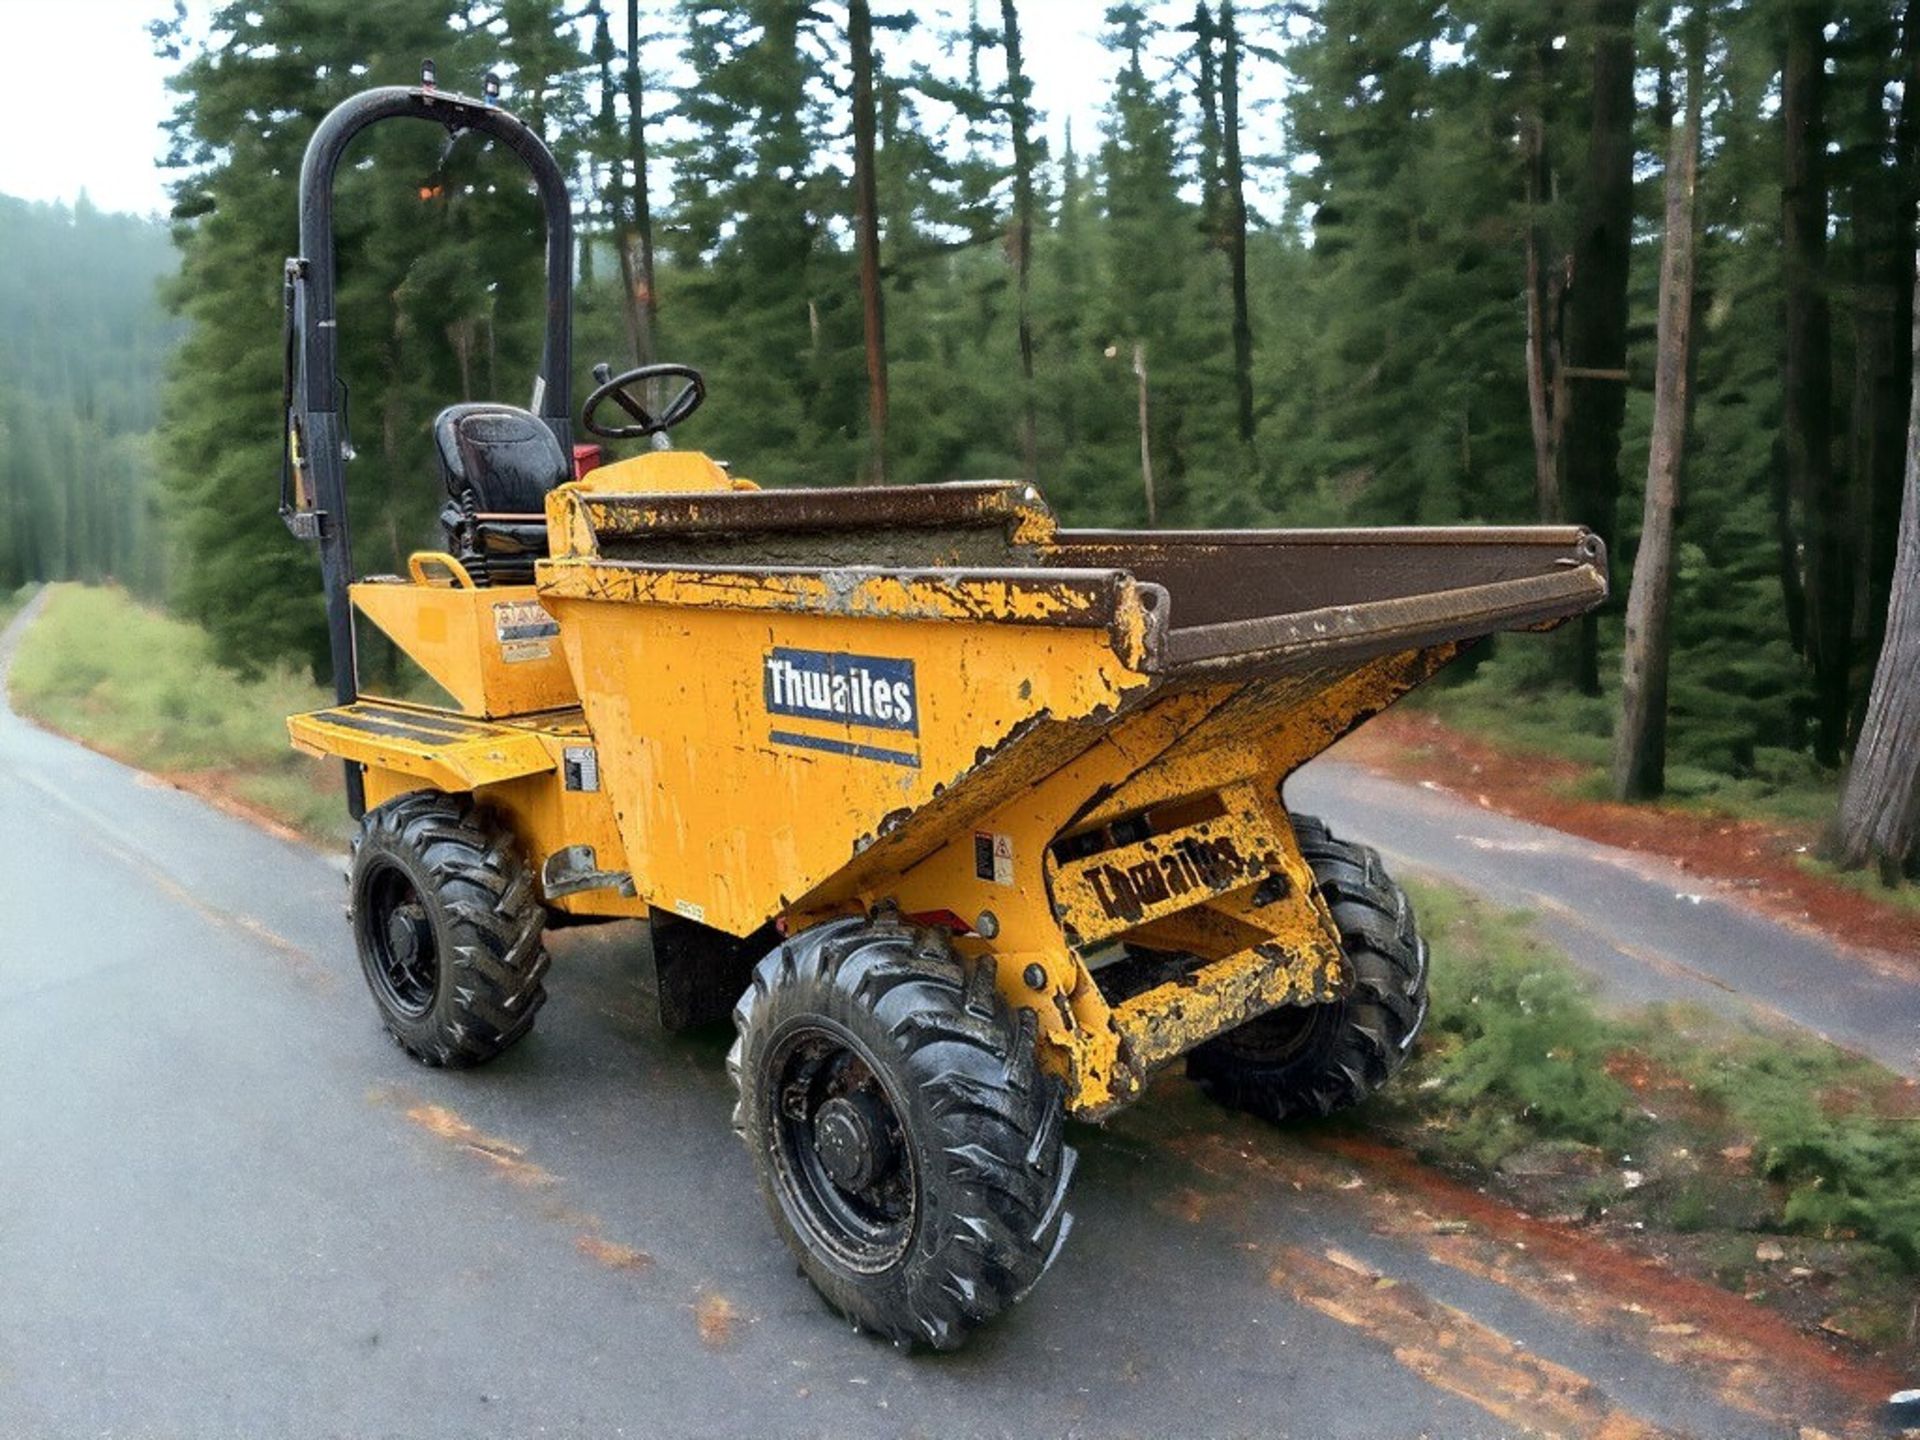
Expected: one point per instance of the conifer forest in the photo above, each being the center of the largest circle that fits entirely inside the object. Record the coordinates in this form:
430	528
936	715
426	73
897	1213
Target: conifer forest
1643	265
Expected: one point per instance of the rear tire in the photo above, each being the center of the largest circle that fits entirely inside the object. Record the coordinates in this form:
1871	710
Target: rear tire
448	927
1314	1060
909	1150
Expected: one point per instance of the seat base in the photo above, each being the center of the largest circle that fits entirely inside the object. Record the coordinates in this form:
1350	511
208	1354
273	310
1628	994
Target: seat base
499	462
495	549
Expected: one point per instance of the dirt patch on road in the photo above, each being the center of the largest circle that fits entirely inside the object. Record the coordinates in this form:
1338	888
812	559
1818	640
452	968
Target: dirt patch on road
1678	1316
714	1316
612	1254
1453	1351
509	1159
1764	862
1756	1361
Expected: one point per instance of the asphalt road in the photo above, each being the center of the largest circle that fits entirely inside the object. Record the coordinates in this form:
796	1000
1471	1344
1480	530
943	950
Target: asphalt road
228	1206
1646	928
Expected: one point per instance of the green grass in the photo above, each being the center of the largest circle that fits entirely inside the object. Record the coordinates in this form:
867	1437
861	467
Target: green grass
1867	882
11	602
1519	1055
145	688
1819	1126
1516	1048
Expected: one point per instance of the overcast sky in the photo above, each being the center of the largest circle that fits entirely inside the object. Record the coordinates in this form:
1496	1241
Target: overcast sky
83	94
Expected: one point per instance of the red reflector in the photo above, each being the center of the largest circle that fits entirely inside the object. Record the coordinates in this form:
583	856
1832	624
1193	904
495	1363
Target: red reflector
585	458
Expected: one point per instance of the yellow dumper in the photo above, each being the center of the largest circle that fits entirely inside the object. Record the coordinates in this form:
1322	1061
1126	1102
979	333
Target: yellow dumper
972	823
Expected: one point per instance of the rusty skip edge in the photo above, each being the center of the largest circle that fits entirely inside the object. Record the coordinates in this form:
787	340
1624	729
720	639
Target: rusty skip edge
1136	613
1132	612
722	512
1354	633
1577	540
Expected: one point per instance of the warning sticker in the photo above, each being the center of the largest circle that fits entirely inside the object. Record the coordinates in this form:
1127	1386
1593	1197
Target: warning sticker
523	629
993	857
580	764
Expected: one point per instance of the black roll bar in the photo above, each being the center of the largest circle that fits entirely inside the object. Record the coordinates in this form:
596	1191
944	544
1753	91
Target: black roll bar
316	445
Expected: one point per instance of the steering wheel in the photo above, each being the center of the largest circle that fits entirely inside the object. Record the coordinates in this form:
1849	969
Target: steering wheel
645	422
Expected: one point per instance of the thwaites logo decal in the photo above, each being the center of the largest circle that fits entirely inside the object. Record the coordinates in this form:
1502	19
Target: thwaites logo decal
1191	863
867	692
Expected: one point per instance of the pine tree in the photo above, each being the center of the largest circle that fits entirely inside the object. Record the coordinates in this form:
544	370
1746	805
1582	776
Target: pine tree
1020	244
1880	811
440	294
86	339
1597	306
1640	740
767	302
866	226
1162	296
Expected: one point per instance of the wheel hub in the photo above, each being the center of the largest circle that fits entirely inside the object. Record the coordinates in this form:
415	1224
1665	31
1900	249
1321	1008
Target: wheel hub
401	951
406	936
850	1134
842	1157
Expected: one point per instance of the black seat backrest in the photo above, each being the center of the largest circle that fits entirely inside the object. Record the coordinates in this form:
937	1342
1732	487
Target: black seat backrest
506	456
499	462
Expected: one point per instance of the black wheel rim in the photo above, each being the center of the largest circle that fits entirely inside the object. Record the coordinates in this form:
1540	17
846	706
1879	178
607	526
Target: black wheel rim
842	1159
400	943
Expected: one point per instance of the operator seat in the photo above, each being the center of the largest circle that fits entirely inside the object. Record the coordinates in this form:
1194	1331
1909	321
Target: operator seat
499	462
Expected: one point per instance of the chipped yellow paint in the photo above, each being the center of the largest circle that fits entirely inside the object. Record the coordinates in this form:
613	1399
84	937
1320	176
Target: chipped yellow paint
654	472
1232	845
436	748
1111	806
544	816
454	633
1034	523
731	814
1166	1022
853	593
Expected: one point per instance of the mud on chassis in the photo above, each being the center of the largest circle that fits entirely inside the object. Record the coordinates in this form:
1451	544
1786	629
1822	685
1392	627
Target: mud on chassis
970	821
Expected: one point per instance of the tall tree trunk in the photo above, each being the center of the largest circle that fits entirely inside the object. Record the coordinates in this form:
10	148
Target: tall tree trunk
1881	510
1206	38
583	226
1236	219
1546	383
636	238
866	224
1546	280
1597	307
1022	125
605	148
1807	376
1640	743
1146	447
1880	809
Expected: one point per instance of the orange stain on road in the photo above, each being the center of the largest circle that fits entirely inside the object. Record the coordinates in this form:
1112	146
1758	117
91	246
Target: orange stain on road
509	1159
1454	1352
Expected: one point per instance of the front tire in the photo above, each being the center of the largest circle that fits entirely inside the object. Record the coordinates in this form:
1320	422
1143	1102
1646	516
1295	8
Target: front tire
448	927
910	1152
1314	1060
